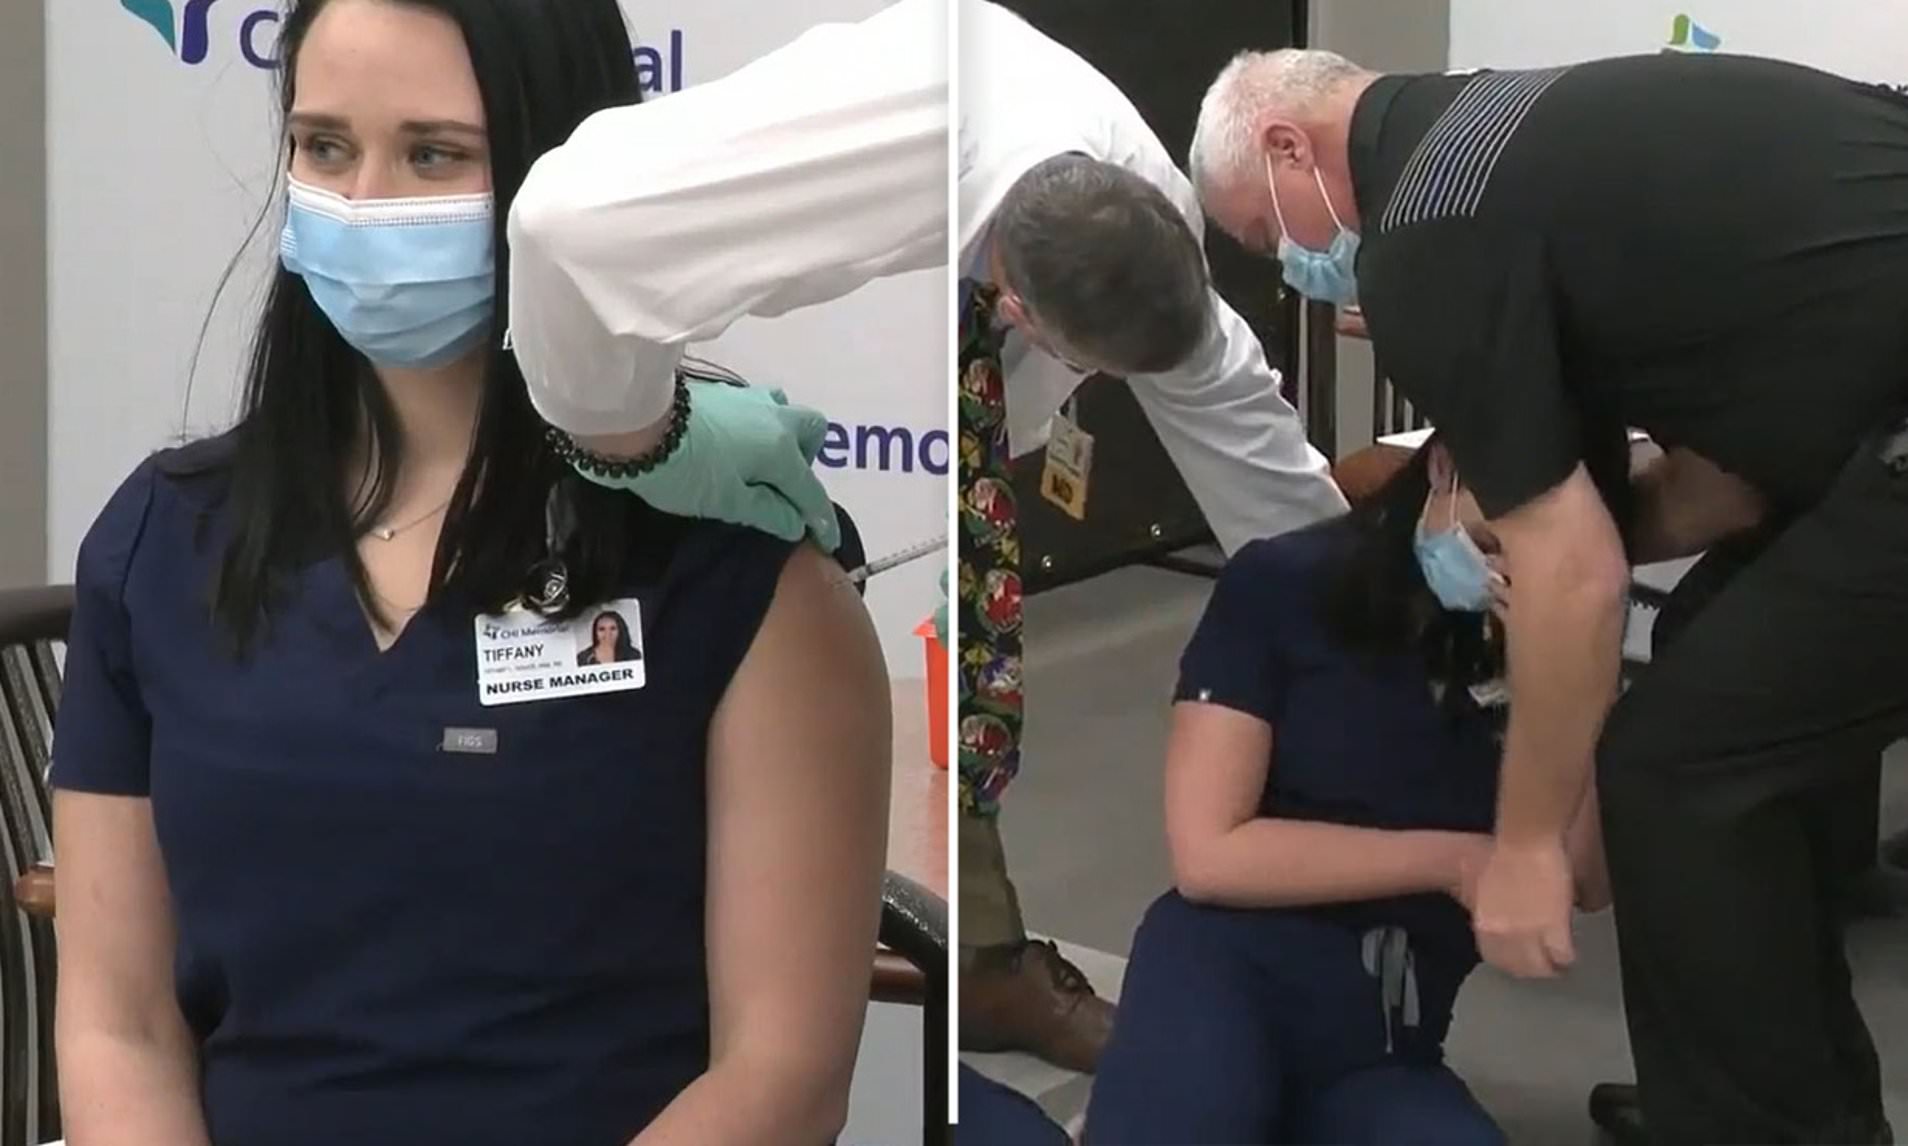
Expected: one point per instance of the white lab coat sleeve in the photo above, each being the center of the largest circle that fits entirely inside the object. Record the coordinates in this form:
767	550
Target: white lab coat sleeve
1238	444
790	182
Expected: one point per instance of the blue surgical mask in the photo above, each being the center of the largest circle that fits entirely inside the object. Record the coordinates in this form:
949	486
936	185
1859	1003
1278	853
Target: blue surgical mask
1330	275
1454	567
408	282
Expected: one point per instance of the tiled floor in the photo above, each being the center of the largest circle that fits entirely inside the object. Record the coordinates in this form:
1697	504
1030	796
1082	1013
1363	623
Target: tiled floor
1085	813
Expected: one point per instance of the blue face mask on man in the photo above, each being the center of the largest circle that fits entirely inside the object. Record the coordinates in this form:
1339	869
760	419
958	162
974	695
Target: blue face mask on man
407	282
1459	574
1330	275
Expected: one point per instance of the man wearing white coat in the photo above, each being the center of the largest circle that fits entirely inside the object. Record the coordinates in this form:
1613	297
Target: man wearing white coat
815	169
1074	217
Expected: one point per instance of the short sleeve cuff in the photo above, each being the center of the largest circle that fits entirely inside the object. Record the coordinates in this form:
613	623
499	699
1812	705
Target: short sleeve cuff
102	737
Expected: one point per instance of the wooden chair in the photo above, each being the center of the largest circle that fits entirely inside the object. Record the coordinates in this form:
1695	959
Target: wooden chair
909	966
911	969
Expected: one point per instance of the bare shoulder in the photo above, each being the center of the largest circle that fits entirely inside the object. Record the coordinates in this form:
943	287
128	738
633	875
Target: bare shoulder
814	597
813	690
817	634
810	571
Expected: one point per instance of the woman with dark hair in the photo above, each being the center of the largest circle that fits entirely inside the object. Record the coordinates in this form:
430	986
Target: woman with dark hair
609	641
1330	784
293	909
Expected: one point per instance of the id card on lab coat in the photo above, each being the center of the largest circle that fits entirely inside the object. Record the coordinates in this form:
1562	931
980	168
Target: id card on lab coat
522	656
1069	467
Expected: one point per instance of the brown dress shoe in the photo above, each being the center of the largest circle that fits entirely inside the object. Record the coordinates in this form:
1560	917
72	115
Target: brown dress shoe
1026	997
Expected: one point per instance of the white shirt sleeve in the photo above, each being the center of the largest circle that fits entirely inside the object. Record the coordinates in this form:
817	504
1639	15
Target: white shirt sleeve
790	182
1236	441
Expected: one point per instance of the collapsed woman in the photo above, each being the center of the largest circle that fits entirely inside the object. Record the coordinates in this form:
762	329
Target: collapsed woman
1330	784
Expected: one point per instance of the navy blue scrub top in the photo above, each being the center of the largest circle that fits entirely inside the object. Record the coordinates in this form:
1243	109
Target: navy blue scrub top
380	941
1356	739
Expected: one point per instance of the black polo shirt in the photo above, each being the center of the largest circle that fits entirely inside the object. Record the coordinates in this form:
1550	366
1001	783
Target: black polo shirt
1710	248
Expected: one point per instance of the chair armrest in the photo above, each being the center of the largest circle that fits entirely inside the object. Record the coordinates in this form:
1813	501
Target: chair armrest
33	891
897	981
1362	473
914	936
911	960
41	613
914	924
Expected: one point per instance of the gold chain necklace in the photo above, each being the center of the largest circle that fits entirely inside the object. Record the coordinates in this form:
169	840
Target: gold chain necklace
388	532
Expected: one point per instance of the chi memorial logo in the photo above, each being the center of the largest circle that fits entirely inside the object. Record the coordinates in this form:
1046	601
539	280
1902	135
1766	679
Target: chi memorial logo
1686	35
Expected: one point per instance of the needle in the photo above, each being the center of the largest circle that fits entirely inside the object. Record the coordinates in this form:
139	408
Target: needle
911	553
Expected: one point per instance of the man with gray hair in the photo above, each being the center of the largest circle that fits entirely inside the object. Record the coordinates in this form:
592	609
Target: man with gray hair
1080	251
1673	243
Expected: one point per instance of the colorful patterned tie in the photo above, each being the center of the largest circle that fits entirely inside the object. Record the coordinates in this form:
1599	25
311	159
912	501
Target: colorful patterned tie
989	591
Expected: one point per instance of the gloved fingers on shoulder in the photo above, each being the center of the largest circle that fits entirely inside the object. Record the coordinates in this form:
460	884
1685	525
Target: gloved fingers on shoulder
766	509
810	428
825	528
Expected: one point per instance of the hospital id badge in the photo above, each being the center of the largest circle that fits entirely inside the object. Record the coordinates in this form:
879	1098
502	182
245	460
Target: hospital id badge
523	656
1068	468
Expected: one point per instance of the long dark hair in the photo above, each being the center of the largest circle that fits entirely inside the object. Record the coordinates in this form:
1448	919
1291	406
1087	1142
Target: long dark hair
625	648
1374	599
542	67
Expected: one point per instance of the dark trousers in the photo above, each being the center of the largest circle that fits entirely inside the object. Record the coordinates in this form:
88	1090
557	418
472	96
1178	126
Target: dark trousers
1726	774
1267	1027
1857	815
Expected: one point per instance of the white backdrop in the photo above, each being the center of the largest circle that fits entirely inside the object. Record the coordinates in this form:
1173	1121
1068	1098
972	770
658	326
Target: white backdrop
160	149
1862	39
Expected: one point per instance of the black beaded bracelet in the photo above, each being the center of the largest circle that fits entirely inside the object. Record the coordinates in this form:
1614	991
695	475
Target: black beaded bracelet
591	462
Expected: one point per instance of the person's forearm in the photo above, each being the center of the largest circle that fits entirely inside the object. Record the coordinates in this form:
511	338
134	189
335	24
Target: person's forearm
1290	863
734	1104
789	182
1584	842
1684	504
1566	633
634	444
123	1091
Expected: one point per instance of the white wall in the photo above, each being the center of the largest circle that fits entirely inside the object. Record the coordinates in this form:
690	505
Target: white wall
1863	39
157	170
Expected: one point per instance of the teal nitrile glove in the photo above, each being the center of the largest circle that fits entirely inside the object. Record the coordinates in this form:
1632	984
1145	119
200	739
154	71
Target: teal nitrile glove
940	614
747	458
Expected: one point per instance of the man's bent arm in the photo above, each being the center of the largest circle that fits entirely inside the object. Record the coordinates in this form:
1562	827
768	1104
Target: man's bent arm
1684	503
1567	609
